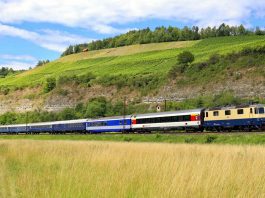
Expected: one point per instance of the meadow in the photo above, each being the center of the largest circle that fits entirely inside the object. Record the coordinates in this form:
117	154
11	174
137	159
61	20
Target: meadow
30	168
204	138
133	60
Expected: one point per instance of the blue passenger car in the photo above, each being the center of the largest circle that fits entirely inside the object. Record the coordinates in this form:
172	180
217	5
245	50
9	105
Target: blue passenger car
4	129
40	127
111	124
18	128
70	126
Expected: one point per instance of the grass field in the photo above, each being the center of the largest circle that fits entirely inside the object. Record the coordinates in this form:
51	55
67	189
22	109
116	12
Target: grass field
231	138
106	169
150	58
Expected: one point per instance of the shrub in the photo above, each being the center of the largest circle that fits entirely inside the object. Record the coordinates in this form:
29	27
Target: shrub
215	58
185	57
66	79
49	85
172	72
210	139
67	114
127	139
4	90
158	136
189	140
96	107
86	78
82	79
201	65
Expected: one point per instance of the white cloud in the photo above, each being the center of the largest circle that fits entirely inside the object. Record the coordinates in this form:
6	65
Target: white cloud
16	65
107	29
17	62
49	39
17	57
102	15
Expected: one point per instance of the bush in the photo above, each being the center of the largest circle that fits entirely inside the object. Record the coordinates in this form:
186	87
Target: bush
215	58
157	136
127	139
4	90
185	57
201	65
189	140
210	139
82	79
96	107
181	68
49	85
86	78
67	114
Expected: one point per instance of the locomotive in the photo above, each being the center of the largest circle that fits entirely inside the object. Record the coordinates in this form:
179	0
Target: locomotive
242	117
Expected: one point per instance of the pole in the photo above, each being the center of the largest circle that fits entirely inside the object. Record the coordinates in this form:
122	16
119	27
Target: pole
124	111
165	104
26	122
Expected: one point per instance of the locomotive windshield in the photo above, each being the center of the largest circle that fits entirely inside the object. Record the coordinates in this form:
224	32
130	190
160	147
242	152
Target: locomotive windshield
261	110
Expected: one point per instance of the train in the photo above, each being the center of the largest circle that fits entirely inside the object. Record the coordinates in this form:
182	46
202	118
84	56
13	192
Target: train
229	118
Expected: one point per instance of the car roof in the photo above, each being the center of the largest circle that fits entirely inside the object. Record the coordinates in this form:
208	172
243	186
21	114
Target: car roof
181	112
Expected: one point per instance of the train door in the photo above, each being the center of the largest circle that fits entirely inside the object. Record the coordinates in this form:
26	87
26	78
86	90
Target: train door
251	112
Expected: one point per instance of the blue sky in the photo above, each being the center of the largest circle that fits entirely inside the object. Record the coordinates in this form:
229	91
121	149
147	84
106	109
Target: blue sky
33	30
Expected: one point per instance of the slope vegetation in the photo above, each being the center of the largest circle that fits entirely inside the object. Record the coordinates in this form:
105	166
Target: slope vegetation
154	59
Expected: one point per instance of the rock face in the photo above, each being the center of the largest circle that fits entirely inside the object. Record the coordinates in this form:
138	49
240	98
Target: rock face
33	99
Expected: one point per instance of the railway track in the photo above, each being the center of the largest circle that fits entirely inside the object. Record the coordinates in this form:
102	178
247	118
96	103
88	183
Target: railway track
161	133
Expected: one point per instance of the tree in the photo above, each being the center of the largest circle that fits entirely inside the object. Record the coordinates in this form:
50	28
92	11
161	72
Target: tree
42	62
96	107
258	31
241	30
160	34
67	114
223	30
185	57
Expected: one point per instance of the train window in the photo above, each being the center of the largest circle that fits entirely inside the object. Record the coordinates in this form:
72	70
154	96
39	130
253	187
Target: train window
187	118
240	111
251	110
216	113
227	112
174	119
164	119
180	118
261	110
206	114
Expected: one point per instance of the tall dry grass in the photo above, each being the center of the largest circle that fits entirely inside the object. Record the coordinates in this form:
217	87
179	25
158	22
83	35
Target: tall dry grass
107	169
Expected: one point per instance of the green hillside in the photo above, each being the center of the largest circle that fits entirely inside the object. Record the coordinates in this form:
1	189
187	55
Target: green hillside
156	59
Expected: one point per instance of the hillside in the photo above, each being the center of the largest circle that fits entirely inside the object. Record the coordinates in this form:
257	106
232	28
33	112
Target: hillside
131	60
141	73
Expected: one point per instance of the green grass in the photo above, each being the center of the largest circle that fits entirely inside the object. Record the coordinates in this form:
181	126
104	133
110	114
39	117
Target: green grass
157	62
231	138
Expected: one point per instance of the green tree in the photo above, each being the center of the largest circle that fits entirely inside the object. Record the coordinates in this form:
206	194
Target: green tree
96	107
67	114
241	30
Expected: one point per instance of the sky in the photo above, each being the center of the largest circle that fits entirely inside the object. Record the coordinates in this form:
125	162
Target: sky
32	30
